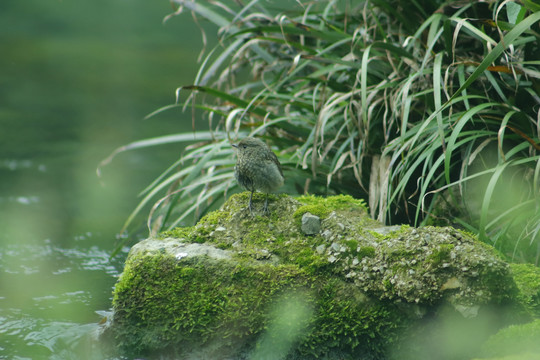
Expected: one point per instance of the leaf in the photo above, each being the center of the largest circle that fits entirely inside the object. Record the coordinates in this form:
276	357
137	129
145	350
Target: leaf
498	50
532	5
437	89
513	12
488	196
227	97
160	140
457	132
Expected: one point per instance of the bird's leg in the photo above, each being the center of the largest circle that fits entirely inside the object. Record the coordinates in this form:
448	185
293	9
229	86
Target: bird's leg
250	206
265	208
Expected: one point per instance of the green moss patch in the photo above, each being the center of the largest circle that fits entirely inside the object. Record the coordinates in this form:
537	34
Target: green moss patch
519	341
348	283
333	203
161	300
317	210
191	302
527	278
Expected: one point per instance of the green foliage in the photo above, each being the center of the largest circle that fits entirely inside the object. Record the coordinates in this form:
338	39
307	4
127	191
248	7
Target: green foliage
515	340
406	103
317	210
527	279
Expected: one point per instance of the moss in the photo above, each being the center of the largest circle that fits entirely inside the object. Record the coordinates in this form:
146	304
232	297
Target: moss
333	203
468	233
192	301
514	340
188	303
377	235
413	264
310	261
178	233
238	203
199	239
347	320
223	246
527	278
521	356
355	281
440	255
317	210
403	229
344	205
366	251
352	244
215	217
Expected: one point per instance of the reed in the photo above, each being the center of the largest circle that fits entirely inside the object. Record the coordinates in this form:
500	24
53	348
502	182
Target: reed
428	109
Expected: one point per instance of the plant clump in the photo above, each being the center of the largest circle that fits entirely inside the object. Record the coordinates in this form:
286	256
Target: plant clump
386	100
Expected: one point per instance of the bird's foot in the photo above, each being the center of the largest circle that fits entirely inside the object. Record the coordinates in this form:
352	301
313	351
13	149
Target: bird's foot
250	205
265	208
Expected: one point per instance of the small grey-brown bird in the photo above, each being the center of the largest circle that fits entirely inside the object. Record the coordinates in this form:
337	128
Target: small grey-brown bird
257	168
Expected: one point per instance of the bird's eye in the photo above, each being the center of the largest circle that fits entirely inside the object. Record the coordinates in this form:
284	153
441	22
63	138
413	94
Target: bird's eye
244	146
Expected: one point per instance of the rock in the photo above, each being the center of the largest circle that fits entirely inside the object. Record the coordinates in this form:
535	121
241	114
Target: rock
335	247
467	311
178	250
385	230
219	287
327	234
311	224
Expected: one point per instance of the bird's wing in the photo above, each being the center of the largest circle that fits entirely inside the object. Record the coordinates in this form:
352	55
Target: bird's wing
273	158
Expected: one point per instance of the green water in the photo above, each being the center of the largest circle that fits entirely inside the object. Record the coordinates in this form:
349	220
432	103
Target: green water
76	80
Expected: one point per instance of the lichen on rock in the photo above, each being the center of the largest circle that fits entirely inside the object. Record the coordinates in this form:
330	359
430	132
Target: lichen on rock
214	287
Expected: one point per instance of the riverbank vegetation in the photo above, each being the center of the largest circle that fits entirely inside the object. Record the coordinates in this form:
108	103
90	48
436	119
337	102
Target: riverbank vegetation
427	109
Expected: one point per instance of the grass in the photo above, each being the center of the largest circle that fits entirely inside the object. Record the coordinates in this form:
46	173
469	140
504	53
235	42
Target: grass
427	109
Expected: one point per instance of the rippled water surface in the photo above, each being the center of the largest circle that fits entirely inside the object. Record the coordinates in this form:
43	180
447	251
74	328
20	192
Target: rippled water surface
77	79
52	296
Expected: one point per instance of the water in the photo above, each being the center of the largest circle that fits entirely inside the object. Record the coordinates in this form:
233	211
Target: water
50	298
76	80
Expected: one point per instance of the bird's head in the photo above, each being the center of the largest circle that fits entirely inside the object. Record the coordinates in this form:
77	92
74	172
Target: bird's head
249	145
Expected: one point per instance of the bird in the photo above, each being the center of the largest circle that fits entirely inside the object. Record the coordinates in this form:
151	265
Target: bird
257	168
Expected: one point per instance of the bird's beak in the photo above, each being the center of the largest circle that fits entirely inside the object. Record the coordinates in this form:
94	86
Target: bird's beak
234	146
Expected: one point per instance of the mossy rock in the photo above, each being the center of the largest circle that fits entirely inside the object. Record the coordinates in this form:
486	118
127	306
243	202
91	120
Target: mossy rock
239	286
527	278
515	342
